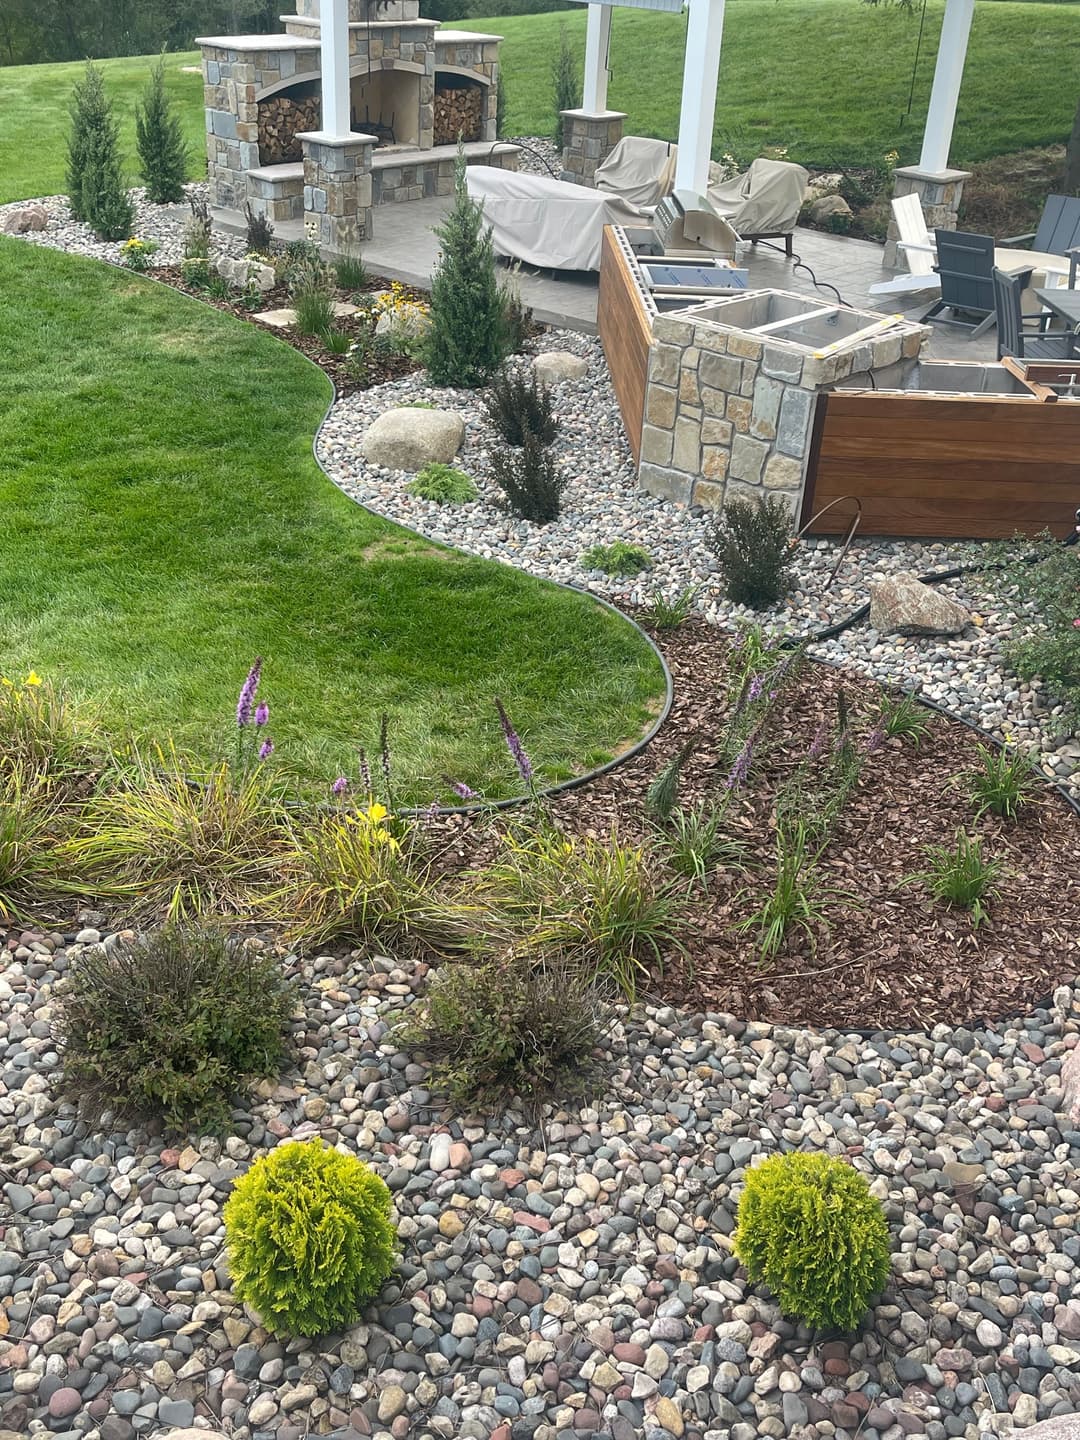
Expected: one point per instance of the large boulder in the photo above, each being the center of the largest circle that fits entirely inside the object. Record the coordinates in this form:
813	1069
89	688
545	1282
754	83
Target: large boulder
1070	1086
241	273
405	326
903	605
555	365
409	439
24	219
1058	1427
825	207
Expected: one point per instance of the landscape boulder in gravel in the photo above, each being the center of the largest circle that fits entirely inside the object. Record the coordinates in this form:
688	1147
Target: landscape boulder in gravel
903	605
552	366
244	272
408	439
25	219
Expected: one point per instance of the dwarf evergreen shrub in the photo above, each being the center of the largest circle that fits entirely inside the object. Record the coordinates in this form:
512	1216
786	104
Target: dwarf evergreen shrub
159	139
519	405
530	480
95	183
752	540
565	84
468	335
810	1229
309	1238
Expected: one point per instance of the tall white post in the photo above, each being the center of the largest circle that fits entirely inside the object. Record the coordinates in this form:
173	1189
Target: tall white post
701	69
948	73
597	43
334	38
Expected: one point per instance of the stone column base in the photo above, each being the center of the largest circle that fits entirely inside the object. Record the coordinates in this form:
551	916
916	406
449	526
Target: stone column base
939	195
588	139
337	188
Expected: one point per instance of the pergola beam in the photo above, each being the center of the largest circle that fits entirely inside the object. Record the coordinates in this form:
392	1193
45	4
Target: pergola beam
948	74
701	70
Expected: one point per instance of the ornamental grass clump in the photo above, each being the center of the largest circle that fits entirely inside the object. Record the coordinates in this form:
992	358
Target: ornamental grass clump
44	731
309	1238
810	1229
32	820
169	1026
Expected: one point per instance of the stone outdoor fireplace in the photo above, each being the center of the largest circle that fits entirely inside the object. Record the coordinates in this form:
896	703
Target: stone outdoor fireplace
414	87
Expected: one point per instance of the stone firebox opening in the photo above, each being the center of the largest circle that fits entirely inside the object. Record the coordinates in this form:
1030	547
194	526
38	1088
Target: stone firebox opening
386	104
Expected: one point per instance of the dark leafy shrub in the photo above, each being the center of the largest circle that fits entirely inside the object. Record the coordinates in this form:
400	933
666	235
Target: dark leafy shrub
159	139
810	1229
96	189
618	558
517	316
518	406
309	1238
260	231
753	543
530	480
564	83
467	342
509	1029
169	1026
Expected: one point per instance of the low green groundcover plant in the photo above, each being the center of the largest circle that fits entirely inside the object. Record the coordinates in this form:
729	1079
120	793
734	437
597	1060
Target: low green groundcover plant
169	1026
618	558
309	1238
444	484
810	1229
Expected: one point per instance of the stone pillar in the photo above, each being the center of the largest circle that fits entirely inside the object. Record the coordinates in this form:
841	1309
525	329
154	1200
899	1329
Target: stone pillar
337	188
588	139
939	195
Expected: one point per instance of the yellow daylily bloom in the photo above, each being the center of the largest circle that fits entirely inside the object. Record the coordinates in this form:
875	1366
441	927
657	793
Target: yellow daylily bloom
376	812
33	678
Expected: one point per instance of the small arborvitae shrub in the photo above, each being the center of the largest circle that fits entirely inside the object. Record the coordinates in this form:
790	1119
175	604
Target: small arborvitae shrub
753	543
618	558
511	1029
530	480
309	1238
518	406
565	84
444	484
96	190
810	1229
159	139
467	341
168	1027
260	232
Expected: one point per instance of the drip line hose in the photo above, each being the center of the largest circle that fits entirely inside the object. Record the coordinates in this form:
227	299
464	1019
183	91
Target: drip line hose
800	264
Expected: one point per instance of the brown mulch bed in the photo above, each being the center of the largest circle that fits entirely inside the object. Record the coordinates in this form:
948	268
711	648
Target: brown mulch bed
889	956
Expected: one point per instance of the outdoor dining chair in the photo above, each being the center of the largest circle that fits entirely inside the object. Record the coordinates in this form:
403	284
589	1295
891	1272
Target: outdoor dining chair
965	267
1027	337
1058	232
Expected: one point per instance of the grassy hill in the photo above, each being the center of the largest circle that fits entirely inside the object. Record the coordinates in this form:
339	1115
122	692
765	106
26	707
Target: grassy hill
830	79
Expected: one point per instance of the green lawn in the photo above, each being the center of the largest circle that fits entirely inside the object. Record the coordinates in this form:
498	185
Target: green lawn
827	78
164	522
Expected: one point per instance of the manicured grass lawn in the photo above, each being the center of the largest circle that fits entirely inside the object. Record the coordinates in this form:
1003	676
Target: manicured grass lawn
164	522
827	78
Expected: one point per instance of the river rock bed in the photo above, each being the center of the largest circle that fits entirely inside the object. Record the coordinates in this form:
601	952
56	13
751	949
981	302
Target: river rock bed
568	1281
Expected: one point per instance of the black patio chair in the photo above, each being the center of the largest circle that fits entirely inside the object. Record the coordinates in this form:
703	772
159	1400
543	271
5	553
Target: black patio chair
1058	232
1027	337
965	263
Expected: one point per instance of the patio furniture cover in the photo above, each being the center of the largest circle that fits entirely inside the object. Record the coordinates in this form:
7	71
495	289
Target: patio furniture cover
641	171
764	201
549	223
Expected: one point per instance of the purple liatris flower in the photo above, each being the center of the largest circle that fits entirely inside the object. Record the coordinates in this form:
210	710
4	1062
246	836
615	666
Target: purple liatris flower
875	739
384	754
757	685
247	694
266	749
262	713
365	773
741	769
514	745
461	790
432	813
339	786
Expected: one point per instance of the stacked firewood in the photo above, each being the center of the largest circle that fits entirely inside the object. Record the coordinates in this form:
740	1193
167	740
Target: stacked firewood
458	112
281	119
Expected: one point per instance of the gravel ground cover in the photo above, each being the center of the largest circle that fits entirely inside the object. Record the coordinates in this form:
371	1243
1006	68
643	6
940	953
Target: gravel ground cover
573	1280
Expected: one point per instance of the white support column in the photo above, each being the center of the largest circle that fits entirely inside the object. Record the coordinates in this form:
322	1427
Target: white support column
948	73
334	38
701	69
597	42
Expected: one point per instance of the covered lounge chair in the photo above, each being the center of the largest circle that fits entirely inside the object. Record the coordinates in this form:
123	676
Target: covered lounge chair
764	203
639	170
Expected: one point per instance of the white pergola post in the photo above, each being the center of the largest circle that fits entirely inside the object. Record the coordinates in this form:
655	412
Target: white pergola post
948	73
701	69
597	42
334	39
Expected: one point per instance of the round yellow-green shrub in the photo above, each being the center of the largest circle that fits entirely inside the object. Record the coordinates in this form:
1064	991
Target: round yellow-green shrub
810	1229
309	1238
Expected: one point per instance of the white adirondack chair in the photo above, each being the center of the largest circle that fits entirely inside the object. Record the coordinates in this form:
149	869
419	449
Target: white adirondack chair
917	248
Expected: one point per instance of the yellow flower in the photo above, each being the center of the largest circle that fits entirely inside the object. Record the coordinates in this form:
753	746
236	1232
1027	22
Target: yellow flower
33	678
5	681
375	812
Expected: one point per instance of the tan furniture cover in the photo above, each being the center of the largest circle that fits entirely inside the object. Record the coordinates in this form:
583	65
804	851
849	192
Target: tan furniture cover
641	171
764	201
552	224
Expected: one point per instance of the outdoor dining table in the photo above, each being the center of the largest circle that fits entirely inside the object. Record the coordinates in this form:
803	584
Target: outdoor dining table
1065	303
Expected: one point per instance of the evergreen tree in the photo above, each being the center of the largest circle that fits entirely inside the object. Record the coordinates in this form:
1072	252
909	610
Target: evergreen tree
567	87
163	155
500	107
96	190
467	343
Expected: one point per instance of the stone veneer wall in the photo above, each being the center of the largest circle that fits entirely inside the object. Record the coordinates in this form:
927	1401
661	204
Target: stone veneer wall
939	196
729	414
587	142
423	176
337	190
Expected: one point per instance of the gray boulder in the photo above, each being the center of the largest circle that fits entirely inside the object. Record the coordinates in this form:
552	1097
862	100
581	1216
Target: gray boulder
1058	1427
903	605
24	219
825	206
408	439
555	365
243	272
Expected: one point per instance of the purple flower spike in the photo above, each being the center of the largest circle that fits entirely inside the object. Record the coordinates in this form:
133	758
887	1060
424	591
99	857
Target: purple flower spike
339	786
819	743
461	790
514	745
262	713
757	685
365	774
432	813
741	769
247	694
266	749
875	739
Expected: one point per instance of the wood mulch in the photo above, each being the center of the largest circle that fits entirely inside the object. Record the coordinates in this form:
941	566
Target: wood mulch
888	957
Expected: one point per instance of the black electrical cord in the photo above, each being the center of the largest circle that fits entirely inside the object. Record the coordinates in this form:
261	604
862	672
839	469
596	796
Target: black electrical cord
800	264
